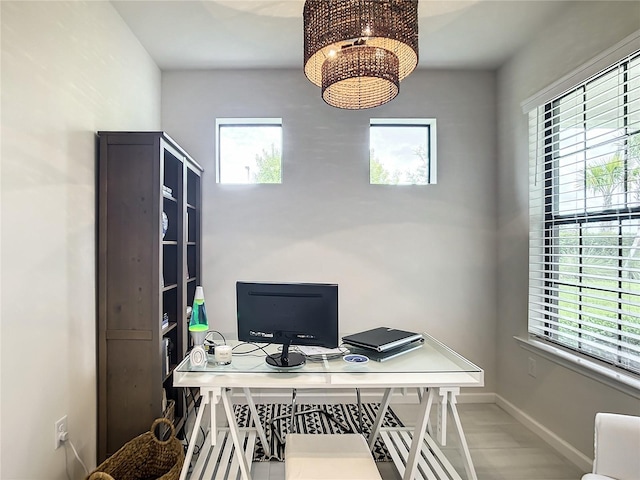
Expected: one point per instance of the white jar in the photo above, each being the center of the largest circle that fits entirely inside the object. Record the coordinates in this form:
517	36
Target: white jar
223	354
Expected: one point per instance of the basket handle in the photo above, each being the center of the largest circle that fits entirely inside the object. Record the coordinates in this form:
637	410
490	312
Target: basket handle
155	425
100	476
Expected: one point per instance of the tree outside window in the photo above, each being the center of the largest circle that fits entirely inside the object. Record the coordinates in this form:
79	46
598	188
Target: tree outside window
402	151
249	151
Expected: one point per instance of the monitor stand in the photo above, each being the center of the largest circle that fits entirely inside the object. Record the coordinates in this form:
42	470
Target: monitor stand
285	359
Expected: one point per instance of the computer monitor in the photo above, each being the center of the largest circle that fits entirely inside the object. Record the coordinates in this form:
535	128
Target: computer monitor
288	314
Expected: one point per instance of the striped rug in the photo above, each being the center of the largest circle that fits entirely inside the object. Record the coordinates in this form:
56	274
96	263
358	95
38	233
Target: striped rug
345	414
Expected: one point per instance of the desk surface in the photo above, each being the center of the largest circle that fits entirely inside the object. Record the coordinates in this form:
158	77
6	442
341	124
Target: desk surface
434	364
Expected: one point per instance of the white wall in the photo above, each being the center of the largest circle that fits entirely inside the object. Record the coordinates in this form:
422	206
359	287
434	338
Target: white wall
68	70
562	401
422	258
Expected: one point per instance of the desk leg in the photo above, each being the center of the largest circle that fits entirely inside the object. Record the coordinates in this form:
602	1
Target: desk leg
213	422
464	448
418	435
359	400
256	421
422	391
206	396
442	417
235	435
382	411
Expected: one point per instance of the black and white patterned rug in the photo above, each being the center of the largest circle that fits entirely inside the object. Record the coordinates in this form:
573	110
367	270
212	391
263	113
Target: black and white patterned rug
346	414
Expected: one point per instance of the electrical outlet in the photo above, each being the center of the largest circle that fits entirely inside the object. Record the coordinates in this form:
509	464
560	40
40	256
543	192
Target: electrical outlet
61	428
533	369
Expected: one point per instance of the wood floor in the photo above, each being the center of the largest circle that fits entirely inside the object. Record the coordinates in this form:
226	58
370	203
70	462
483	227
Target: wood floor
501	449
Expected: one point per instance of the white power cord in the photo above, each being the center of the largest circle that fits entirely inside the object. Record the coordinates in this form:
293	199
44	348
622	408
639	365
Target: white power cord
75	452
64	438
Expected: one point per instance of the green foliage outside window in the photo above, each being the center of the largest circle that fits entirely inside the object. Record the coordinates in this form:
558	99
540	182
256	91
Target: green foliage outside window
379	175
268	166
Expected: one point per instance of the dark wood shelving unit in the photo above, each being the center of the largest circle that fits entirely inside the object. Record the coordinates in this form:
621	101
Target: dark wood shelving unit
143	276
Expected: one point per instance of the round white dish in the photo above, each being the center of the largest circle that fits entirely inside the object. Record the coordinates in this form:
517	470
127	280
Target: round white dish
355	358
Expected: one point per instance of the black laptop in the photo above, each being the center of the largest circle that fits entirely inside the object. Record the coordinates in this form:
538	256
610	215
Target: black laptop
382	339
387	354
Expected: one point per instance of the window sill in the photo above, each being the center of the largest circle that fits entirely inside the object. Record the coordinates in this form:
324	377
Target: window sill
624	382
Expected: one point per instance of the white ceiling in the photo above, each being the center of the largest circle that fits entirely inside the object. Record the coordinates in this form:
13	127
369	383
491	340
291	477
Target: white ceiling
204	34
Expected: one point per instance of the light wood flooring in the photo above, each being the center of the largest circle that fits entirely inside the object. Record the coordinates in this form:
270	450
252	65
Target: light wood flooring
501	449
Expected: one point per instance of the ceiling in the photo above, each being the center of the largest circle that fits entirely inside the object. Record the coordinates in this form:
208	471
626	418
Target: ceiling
206	34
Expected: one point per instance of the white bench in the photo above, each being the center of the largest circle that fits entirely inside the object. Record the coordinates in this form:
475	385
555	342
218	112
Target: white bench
328	457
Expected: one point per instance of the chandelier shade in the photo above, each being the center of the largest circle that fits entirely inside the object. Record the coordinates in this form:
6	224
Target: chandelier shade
358	51
360	77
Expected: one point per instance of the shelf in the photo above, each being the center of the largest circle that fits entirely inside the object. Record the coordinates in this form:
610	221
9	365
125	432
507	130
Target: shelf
226	456
191	244
432	461
168	375
166	288
169	242
169	327
190	206
168	197
191	279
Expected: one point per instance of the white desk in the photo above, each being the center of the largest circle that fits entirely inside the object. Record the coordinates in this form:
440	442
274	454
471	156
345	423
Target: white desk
435	370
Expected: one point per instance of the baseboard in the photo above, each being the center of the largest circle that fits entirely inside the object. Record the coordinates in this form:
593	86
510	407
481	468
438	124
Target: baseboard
576	457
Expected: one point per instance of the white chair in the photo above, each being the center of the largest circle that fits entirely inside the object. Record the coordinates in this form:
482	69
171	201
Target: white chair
616	448
328	457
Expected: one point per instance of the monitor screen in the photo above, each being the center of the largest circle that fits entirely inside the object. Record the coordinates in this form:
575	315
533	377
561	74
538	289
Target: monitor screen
288	314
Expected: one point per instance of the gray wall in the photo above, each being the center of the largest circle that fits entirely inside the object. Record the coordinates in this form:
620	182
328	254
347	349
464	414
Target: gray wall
558	399
422	258
68	70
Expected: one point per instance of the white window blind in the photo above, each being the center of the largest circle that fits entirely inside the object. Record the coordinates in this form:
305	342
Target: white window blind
584	263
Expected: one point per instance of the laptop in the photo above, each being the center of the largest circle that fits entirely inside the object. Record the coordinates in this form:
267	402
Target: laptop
389	354
381	339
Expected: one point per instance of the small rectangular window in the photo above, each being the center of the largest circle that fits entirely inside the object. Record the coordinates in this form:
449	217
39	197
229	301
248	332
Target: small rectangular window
402	151
249	150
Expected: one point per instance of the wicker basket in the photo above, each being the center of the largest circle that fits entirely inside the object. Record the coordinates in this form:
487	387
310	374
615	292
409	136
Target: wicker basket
144	458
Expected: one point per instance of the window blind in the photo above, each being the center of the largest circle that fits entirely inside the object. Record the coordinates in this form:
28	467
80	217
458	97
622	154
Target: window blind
584	244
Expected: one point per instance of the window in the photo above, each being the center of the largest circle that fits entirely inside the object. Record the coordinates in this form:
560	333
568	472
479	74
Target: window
584	286
249	150
402	151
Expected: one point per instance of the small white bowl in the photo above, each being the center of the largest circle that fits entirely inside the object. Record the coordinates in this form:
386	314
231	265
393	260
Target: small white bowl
355	358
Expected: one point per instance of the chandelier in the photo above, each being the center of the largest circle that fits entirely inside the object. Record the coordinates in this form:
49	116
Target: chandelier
358	51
